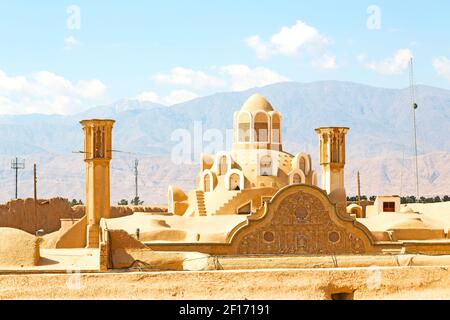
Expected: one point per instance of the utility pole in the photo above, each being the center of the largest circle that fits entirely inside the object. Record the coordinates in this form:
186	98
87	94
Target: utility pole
359	190
136	174
35	199
17	165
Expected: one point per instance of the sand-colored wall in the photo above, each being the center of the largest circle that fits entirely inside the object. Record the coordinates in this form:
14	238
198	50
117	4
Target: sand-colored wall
18	248
20	214
299	219
73	236
297	284
122	211
127	252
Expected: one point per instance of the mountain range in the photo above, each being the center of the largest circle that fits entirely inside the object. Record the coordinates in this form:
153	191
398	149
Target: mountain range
379	145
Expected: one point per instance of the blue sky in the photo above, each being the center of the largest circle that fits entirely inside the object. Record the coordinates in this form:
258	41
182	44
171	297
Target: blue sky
171	51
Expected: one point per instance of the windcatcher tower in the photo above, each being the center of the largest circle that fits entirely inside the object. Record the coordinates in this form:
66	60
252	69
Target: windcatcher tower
332	161
97	156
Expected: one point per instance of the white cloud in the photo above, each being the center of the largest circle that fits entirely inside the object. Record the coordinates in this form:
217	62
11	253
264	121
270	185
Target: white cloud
188	77
243	77
325	62
9	84
288	41
262	49
236	77
442	66
391	66
174	97
47	92
90	88
149	96
70	42
179	96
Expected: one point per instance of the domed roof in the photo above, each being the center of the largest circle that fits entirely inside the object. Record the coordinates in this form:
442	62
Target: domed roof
257	103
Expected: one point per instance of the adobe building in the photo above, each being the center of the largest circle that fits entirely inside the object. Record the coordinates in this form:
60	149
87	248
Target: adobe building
254	199
258	198
240	181
256	214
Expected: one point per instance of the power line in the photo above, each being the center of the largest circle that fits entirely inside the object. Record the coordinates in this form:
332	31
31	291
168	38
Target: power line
17	165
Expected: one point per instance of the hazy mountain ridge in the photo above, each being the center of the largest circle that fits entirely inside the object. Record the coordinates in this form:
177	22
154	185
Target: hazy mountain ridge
380	122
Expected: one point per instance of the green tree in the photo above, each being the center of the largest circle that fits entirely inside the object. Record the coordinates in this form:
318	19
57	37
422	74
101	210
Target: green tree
123	202
136	201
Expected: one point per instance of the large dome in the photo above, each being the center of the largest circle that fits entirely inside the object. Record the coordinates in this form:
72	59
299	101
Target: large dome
257	103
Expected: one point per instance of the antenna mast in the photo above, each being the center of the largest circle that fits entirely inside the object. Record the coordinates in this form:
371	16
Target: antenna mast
414	108
136	174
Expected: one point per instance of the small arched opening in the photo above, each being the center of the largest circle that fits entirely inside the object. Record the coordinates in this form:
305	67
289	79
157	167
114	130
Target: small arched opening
244	127
223	165
262	127
276	128
235	184
265	166
207	183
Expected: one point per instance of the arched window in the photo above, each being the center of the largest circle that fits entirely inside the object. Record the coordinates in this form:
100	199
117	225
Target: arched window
223	166
235	182
207	183
296	179
244	122
276	128
302	164
265	166
262	127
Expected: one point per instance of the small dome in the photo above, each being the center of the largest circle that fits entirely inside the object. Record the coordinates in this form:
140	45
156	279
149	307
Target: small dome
257	103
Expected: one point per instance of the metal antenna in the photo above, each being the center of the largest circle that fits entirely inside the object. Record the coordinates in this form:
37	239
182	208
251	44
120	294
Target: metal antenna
136	174
17	165
414	108
359	190
401	173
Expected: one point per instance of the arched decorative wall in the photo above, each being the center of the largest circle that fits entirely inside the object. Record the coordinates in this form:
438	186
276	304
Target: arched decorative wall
207	181
302	161
239	174
223	163
294	173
